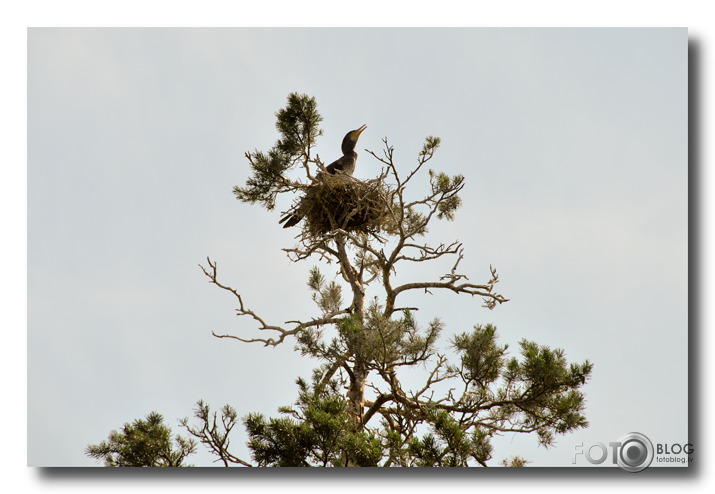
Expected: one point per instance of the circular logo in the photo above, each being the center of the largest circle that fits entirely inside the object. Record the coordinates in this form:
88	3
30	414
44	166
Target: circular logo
635	453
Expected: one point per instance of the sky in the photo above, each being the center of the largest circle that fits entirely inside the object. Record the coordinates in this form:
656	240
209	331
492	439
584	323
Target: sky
573	144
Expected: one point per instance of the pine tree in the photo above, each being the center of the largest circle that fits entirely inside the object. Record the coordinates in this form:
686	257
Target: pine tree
143	443
357	409
365	345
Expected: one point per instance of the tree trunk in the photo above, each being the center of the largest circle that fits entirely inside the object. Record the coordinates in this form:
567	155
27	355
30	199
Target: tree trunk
359	372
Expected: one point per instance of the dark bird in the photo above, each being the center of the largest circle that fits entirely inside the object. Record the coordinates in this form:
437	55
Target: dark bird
344	165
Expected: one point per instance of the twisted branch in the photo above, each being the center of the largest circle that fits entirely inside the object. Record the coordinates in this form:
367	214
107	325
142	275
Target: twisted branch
242	310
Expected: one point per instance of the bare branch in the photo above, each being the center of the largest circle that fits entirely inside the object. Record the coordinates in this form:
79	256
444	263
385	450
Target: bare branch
242	310
450	282
375	407
215	438
428	253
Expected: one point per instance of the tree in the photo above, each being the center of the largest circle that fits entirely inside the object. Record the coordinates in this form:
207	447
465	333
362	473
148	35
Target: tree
358	409
143	443
450	418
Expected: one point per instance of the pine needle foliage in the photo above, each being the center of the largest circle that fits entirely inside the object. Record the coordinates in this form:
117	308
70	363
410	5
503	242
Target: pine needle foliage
143	443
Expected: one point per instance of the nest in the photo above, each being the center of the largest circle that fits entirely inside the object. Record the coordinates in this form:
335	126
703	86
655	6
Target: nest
342	202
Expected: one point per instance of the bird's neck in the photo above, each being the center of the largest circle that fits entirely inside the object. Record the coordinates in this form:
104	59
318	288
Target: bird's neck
348	148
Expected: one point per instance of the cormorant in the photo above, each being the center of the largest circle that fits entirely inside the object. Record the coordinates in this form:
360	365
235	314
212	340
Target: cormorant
344	165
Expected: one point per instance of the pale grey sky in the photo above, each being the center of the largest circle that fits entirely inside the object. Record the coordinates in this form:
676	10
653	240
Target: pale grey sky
573	143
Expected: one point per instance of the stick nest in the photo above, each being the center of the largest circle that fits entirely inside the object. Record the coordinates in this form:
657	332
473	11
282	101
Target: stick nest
343	202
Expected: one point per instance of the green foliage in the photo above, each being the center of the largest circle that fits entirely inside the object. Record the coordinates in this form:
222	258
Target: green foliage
445	189
482	359
327	296
414	222
430	146
546	386
262	186
318	431
397	341
298	125
143	443
536	392
377	340
448	444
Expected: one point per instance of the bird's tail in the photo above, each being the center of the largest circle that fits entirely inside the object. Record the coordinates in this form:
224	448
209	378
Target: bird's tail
291	219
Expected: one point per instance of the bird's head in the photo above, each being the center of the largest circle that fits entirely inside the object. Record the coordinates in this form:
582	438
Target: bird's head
351	139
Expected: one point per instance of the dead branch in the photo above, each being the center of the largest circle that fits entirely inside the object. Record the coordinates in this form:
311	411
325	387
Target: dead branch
242	310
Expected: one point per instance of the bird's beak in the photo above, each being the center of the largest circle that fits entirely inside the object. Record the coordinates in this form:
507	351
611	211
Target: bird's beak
359	131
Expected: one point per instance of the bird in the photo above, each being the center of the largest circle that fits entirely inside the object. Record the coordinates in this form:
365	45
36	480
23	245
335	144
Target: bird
344	165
